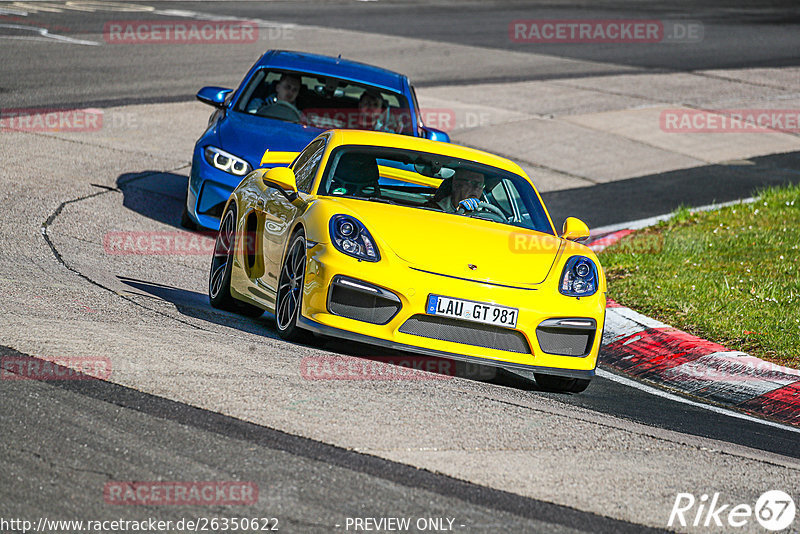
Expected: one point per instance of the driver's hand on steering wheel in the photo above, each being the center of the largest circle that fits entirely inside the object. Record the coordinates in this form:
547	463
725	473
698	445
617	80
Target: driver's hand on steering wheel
469	204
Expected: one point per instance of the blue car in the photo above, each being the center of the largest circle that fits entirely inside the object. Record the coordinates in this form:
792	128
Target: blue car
283	103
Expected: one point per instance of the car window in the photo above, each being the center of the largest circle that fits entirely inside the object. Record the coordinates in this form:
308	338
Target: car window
326	102
307	163
423	180
500	197
417	110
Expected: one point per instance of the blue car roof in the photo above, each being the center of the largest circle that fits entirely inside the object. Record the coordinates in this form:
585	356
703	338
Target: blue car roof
331	66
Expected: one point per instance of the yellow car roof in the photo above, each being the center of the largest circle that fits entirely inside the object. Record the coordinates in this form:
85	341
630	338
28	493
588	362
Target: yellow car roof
363	137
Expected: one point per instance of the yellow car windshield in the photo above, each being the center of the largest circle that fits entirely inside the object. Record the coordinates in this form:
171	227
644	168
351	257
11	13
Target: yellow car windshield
436	182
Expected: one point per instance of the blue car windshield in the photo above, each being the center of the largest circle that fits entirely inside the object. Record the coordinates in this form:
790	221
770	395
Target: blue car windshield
435	182
324	102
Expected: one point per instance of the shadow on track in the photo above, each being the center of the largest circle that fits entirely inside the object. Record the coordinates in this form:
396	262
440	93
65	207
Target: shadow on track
156	195
196	305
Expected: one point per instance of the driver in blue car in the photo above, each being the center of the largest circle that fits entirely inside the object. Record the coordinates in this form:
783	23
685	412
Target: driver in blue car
286	90
465	193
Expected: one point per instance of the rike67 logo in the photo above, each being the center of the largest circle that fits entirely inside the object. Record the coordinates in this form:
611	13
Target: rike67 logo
774	510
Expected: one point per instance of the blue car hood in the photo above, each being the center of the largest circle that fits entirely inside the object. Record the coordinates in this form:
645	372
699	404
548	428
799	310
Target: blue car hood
248	136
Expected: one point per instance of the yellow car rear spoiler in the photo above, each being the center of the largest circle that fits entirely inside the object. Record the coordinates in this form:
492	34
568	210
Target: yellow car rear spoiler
278	158
285	158
408	176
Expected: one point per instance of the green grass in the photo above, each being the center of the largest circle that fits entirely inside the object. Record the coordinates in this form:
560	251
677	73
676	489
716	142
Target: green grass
731	276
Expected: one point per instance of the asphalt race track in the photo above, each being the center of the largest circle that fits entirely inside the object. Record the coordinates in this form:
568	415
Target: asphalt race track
196	394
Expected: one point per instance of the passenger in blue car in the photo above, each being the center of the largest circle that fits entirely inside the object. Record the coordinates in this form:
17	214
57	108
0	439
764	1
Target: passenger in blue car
373	113
370	109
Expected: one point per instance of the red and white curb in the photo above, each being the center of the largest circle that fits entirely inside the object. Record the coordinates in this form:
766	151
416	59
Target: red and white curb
654	352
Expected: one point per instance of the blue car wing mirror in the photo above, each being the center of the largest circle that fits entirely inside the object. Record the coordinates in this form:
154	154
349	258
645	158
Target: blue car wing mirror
213	96
435	135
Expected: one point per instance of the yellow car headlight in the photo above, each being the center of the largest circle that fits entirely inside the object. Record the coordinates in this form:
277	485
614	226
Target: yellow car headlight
351	237
579	278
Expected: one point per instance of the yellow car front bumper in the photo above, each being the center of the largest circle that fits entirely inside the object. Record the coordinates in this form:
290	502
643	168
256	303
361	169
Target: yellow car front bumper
518	348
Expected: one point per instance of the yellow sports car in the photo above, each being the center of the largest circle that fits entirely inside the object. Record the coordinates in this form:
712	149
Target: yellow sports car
417	245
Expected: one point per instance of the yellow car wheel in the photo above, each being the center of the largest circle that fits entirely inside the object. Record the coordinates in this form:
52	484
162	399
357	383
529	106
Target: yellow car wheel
290	290
219	279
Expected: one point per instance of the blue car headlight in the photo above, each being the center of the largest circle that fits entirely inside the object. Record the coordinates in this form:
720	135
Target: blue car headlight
225	161
351	237
579	278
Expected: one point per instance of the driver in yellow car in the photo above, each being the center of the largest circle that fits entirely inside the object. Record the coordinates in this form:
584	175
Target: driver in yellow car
467	188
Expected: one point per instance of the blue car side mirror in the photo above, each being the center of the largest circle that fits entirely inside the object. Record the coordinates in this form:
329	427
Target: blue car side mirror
213	96
435	135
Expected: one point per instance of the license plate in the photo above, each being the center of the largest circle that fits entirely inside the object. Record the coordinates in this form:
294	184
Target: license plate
469	310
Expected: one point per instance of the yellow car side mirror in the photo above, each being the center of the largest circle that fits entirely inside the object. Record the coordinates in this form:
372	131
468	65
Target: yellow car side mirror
574	229
282	178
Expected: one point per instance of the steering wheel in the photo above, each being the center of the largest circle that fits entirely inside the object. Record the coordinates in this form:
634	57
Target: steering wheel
280	109
484	206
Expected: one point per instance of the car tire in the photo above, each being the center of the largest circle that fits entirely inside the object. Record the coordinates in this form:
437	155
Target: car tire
219	277
289	298
561	384
186	220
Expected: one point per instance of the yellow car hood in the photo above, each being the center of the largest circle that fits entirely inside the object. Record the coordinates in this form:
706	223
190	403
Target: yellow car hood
457	245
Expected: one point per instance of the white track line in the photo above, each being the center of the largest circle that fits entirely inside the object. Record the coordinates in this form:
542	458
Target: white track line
710	407
43	35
